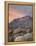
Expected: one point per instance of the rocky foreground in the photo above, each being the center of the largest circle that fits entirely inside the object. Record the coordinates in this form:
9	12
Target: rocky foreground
20	29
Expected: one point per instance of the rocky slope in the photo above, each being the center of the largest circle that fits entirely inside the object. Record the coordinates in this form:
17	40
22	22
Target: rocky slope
20	27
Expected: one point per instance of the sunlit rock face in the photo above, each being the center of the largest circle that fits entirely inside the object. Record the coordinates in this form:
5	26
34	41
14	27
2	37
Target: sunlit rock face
20	29
26	37
19	38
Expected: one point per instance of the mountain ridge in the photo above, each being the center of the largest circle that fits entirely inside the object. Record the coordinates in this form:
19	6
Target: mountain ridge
27	20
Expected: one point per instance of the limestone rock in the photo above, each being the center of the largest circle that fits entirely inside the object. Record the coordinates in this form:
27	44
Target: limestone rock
19	29
19	38
28	36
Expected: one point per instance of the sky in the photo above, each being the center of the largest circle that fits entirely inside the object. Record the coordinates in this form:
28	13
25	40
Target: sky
18	11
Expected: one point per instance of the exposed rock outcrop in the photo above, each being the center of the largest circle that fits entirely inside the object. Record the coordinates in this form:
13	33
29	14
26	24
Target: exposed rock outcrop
20	29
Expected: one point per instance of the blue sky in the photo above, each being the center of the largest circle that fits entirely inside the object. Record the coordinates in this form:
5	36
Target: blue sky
18	7
18	11
23	7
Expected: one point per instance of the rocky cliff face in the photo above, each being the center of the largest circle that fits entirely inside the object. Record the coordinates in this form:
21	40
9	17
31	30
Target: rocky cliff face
20	27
